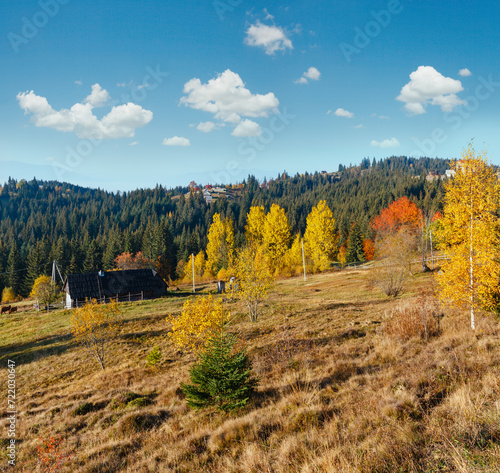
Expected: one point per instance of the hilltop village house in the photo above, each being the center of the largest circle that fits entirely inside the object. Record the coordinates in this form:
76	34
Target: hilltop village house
128	285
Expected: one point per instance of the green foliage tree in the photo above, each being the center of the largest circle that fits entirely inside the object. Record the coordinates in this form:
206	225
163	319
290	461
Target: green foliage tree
222	377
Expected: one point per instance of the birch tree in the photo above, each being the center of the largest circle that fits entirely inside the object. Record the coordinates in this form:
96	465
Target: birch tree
321	241
469	235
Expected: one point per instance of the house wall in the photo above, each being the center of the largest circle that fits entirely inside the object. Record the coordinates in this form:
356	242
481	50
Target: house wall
68	301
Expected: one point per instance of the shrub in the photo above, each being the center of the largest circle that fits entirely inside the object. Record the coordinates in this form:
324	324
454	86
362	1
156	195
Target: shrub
8	295
139	402
49	454
415	320
221	378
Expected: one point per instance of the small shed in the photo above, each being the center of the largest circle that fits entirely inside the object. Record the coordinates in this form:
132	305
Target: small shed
127	285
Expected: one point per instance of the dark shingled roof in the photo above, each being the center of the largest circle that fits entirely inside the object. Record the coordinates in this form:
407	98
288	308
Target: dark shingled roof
91	285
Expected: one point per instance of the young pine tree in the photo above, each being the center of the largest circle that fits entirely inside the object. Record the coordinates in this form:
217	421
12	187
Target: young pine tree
221	378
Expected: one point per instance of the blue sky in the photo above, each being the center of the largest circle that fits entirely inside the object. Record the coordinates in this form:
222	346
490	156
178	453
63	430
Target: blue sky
133	93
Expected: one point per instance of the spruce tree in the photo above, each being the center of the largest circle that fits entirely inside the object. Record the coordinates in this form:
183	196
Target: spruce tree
14	276
221	378
36	267
93	258
355	245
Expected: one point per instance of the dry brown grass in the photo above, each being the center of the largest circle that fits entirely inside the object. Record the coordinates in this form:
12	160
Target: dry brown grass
336	393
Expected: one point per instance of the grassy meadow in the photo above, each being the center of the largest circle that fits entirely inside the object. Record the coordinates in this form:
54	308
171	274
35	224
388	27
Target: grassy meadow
341	389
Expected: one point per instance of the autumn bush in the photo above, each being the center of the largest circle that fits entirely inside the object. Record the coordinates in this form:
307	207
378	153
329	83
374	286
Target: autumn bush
49	453
202	319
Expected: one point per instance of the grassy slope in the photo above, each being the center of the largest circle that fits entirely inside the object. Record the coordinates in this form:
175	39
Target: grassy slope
348	398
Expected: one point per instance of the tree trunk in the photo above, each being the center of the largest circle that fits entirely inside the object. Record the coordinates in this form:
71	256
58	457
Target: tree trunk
471	270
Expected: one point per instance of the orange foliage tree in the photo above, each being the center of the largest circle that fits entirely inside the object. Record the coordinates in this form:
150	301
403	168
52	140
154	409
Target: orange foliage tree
401	213
402	221
130	261
368	249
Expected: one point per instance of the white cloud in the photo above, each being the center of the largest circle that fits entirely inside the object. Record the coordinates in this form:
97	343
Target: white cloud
121	84
357	127
383	117
340	112
247	128
120	122
428	86
227	98
389	143
464	72
206	127
328	112
312	73
134	143
176	141
78	82
98	96
271	38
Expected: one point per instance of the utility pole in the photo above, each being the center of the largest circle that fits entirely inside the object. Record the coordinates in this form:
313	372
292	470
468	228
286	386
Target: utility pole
192	259
432	254
303	260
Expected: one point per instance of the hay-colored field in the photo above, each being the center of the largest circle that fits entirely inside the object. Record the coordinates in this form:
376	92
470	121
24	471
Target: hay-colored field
336	392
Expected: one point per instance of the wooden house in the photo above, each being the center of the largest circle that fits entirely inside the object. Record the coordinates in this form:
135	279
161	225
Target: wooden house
128	285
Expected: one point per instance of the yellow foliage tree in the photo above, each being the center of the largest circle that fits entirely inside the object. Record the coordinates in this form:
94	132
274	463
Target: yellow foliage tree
45	291
321	241
342	256
220	247
255	279
94	326
254	229
8	295
469	235
202	319
199	267
276	237
293	257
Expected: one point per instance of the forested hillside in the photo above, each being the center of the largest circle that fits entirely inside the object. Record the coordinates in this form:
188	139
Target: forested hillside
86	229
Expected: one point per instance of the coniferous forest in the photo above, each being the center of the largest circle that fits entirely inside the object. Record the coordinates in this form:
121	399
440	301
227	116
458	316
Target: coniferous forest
86	229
